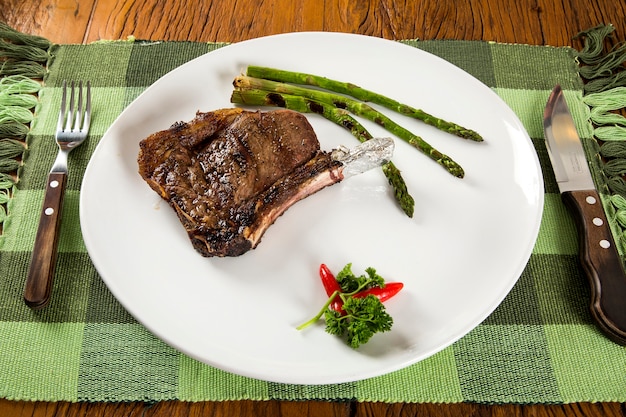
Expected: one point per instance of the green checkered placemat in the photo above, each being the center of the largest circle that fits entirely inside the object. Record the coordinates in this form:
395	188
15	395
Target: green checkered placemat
539	346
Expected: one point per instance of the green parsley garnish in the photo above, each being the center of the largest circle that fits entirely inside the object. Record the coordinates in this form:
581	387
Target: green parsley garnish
361	316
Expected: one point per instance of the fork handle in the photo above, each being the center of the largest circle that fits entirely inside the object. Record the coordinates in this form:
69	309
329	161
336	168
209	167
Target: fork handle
41	271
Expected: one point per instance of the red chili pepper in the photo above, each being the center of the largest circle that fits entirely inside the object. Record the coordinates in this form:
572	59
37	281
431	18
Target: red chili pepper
331	285
328	280
383	294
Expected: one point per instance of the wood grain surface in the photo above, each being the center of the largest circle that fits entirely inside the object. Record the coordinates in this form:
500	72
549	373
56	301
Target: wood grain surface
535	22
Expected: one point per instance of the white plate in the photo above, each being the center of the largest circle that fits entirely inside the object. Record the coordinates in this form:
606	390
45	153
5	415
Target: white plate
458	256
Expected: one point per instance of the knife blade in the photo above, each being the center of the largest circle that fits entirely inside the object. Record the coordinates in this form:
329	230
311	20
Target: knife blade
599	256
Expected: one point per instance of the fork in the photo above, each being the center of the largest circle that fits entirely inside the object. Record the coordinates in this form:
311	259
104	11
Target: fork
72	128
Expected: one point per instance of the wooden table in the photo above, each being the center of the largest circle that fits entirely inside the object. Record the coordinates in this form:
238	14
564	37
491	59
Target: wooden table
535	22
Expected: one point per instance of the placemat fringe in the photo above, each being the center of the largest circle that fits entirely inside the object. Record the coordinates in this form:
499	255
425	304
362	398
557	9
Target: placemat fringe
23	60
602	68
601	65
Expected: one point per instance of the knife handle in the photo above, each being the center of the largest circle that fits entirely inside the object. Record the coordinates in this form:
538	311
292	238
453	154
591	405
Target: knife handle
41	271
602	263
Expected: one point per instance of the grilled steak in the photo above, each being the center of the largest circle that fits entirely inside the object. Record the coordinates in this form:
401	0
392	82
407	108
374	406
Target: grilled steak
229	174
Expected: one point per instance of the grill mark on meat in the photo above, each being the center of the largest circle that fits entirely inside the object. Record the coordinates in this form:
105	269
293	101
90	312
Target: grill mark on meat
229	174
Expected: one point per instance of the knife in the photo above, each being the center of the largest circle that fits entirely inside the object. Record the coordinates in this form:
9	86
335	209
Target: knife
598	254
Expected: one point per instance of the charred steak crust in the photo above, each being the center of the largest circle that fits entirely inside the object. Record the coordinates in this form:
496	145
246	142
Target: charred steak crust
228	174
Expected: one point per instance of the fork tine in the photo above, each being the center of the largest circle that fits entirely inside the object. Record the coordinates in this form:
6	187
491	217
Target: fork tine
87	108
70	111
62	109
79	107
